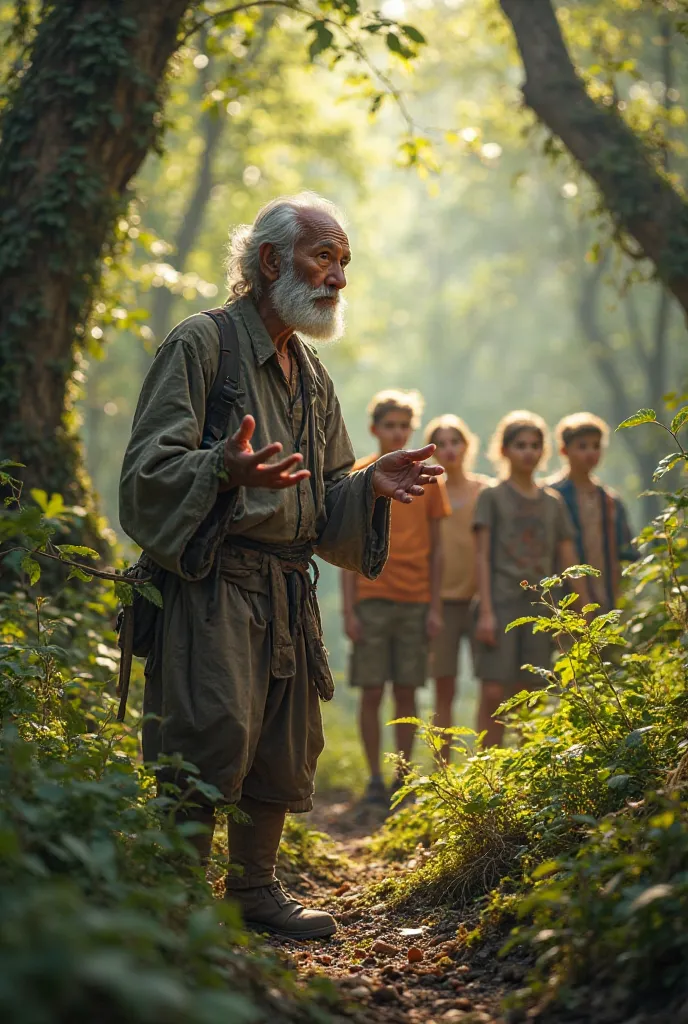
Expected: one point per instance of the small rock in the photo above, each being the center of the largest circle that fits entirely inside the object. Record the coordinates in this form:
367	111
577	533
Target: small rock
437	941
386	948
385	994
325	959
414	955
360	953
379	908
354	968
408	932
391	972
453	1015
463	969
344	887
350	916
360	992
463	1003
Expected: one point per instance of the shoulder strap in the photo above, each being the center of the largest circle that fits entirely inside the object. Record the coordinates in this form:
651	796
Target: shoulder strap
225	390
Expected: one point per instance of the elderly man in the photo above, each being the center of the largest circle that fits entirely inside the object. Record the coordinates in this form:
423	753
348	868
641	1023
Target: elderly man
233	679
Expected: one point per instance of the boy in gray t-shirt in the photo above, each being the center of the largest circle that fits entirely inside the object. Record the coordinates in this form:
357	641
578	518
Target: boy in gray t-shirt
523	533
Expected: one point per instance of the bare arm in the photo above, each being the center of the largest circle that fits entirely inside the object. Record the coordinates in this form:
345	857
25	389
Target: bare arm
352	625
434	621
567	557
486	629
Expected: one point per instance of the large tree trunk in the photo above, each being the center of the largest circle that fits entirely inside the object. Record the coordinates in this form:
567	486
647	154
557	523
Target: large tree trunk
642	201
81	119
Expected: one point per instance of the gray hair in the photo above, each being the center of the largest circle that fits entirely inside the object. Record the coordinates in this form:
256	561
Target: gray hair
280	222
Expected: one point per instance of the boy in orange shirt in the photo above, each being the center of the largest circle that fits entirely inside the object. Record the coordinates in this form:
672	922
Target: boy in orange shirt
390	620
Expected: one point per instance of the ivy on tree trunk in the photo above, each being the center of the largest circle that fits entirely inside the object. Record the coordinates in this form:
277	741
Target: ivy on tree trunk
81	118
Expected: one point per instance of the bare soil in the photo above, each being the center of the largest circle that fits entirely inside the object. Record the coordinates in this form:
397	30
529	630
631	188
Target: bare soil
392	966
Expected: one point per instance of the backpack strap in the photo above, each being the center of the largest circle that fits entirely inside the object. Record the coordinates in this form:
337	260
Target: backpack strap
225	390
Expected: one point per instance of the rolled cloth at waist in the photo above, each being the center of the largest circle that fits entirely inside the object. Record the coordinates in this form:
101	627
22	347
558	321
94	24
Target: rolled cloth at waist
282	573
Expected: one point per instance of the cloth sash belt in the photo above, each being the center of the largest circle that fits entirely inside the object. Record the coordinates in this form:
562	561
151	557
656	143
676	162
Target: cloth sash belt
282	573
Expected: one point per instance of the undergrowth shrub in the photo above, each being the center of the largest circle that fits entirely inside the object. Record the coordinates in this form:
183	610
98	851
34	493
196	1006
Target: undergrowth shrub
584	818
104	912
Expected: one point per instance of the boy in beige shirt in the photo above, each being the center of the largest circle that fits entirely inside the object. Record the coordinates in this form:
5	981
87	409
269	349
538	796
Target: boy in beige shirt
456	450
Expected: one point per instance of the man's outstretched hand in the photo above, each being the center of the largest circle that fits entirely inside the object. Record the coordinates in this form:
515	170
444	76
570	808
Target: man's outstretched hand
403	475
246	468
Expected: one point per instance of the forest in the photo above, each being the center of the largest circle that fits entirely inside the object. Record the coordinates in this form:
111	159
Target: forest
513	178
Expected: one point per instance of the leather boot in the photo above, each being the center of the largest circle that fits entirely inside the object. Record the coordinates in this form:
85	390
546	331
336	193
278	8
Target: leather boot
268	908
263	902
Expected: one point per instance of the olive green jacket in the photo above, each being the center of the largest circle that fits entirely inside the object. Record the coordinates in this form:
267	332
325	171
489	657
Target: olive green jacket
169	498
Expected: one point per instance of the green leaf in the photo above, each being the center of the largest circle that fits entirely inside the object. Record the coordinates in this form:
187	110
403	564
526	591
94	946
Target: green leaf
618	781
661	891
641	416
667	464
77	549
412	33
548	867
32	569
322	40
55	506
40	497
124	592
79	574
523	621
395	44
513	702
680	419
574	572
151	594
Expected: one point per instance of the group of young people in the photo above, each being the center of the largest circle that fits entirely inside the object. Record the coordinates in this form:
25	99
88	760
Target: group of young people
458	558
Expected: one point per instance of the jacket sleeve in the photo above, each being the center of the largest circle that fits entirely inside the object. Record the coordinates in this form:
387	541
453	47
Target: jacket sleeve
169	502
355	534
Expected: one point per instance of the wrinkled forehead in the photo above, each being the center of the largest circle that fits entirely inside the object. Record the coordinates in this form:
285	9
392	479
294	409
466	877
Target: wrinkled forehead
318	227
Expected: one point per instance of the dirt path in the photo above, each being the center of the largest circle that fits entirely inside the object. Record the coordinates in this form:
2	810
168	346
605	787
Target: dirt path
393	966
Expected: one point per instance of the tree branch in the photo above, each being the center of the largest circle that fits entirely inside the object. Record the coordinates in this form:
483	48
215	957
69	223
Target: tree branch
642	202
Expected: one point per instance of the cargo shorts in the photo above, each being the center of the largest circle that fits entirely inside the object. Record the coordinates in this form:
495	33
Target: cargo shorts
520	646
394	645
444	650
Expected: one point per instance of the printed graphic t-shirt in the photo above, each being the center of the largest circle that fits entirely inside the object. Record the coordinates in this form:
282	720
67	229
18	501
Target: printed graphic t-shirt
406	575
524	534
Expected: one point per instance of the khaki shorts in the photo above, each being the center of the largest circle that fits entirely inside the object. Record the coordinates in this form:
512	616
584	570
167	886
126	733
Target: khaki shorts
394	647
444	650
520	646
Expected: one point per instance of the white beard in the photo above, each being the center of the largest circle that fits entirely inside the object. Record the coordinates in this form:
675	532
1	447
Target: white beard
295	305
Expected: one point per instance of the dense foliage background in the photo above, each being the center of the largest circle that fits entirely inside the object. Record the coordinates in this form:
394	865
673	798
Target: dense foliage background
489	272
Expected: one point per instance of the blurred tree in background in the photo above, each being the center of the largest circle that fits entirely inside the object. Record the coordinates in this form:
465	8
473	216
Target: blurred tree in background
488	271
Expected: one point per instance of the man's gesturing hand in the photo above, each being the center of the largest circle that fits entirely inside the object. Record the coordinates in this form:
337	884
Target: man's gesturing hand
246	468
402	475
